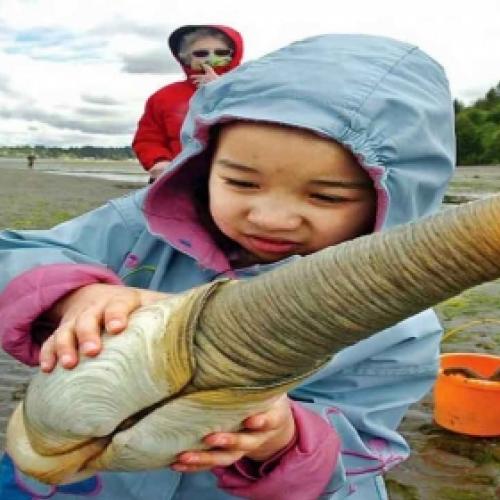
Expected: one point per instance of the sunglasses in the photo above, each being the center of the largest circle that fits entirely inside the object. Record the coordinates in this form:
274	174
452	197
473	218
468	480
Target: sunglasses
207	52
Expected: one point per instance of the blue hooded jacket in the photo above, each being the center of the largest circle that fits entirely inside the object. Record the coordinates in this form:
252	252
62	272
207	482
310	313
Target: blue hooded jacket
389	103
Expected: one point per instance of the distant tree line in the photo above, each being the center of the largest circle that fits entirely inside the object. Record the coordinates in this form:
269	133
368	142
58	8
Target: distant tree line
87	152
478	130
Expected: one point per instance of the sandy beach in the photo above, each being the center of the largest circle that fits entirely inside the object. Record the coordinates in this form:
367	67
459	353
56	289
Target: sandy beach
443	465
36	199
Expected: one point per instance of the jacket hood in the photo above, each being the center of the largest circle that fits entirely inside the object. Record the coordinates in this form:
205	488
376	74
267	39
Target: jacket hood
385	100
175	38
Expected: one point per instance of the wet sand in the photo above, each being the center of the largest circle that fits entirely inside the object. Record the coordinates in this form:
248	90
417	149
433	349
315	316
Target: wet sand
443	465
33	199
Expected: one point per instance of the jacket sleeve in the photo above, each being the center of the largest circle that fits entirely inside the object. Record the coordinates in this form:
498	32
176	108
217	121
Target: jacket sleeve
366	401
150	142
37	268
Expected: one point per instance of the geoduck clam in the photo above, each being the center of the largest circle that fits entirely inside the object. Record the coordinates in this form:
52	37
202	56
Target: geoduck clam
203	361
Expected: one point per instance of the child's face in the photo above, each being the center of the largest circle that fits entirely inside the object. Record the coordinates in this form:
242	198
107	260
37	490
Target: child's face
279	191
209	50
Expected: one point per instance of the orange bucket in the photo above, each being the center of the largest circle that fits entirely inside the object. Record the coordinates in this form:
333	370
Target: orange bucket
468	405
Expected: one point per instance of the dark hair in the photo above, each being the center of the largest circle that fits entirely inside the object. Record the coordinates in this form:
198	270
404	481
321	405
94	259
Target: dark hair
201	196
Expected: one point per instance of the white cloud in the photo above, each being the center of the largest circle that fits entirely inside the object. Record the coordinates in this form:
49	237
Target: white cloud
100	99
80	71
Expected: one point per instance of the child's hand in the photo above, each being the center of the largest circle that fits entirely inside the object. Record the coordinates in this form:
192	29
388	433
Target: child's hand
83	313
209	76
265	434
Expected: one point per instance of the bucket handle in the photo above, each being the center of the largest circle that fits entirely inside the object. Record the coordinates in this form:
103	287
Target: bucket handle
496	376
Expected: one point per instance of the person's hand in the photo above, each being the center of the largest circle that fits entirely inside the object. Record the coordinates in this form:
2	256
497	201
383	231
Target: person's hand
83	313
209	76
156	170
263	435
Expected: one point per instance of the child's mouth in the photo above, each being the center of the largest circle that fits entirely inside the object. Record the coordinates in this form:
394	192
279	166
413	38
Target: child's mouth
271	245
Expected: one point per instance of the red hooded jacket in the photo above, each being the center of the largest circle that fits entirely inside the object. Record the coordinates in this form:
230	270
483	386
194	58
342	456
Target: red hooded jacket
158	132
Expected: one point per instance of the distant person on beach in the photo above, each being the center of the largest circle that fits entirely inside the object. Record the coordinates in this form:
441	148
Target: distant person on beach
204	52
31	160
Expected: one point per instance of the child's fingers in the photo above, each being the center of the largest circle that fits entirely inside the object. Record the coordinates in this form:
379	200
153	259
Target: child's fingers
117	311
257	422
189	468
202	460
243	442
64	344
115	318
48	358
87	330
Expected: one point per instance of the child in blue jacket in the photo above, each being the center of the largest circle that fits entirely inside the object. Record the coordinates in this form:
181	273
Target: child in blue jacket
314	144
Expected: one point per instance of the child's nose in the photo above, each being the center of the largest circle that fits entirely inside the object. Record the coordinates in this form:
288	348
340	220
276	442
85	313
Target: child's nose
275	217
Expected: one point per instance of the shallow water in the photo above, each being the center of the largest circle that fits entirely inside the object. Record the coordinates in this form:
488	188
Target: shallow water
125	177
123	171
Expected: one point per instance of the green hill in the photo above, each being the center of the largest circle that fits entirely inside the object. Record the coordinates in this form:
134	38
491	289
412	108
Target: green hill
478	130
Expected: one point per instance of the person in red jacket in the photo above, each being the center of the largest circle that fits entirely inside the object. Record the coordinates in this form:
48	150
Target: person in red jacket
204	52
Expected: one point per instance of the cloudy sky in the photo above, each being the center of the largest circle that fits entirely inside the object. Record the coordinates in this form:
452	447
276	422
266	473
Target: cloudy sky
77	72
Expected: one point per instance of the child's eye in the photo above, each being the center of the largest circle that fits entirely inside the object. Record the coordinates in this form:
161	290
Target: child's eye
240	183
328	198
